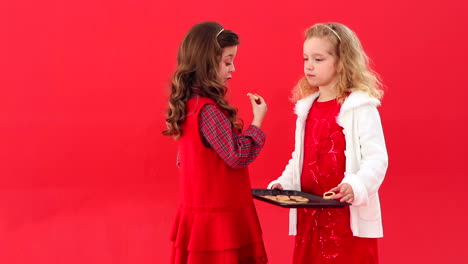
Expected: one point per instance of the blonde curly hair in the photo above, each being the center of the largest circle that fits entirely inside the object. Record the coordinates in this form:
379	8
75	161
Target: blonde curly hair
355	72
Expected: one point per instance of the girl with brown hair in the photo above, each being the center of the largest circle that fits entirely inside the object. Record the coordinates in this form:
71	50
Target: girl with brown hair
216	221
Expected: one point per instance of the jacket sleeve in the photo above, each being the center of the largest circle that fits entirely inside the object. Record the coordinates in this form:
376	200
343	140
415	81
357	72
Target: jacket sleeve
374	159
286	178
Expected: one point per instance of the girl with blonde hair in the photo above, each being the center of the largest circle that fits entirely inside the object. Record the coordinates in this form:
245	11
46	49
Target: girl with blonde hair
339	148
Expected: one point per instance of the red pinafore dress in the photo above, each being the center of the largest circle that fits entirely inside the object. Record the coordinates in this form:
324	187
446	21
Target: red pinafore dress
216	222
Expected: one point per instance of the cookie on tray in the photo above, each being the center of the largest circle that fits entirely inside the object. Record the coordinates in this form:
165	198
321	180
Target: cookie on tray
299	198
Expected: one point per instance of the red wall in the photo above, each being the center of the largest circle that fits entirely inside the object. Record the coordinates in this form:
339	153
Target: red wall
87	177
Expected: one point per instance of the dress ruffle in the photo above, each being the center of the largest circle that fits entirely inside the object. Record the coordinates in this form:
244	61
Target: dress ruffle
216	228
249	254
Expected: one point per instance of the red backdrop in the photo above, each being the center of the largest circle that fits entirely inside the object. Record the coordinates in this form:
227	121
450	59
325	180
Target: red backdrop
87	177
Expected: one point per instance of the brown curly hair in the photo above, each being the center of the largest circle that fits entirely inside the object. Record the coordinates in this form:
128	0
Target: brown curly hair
197	70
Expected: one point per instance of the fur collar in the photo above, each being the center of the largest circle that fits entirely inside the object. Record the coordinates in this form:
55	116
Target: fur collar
303	106
355	99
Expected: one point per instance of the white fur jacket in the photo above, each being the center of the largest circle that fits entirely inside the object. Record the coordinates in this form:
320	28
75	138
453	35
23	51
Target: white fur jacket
366	160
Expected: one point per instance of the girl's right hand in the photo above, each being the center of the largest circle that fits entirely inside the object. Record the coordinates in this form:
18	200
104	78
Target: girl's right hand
259	109
277	186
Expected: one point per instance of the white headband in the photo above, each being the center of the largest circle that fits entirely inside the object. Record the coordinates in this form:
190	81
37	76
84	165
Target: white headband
331	29
217	35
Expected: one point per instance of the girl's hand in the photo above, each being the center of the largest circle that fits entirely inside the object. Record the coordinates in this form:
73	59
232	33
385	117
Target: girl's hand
259	109
277	186
344	192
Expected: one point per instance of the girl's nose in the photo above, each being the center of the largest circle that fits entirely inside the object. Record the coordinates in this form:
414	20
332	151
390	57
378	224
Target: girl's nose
233	69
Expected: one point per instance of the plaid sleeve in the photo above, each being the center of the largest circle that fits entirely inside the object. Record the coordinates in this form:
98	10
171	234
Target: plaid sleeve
237	150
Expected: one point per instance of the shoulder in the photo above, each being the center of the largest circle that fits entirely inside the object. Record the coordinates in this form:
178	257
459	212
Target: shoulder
211	113
210	108
359	100
302	106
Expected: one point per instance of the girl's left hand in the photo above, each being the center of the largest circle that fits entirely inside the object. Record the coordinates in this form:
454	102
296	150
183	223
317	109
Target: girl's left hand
344	192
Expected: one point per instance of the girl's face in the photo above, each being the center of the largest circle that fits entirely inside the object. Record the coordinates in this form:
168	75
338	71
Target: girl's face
320	62
226	65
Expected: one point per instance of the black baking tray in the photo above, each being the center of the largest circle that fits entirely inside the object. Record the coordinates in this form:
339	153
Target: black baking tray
314	200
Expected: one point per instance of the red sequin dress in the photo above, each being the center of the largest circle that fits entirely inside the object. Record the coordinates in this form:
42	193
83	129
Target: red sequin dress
324	234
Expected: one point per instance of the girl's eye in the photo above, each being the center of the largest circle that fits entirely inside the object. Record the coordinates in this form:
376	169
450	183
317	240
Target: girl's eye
306	59
318	59
228	64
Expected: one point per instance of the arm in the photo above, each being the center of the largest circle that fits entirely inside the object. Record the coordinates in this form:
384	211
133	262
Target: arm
374	160
236	150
